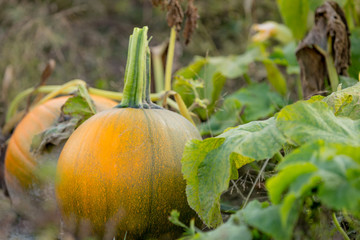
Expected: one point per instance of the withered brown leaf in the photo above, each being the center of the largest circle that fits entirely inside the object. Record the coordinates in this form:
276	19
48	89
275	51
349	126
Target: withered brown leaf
175	14
330	23
191	21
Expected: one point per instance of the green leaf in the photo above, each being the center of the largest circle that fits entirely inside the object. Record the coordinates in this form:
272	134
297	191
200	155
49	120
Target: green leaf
227	116
333	168
192	70
174	218
268	219
294	14
202	80
231	230
278	184
208	165
212	73
250	103
346	102
302	122
79	106
275	77
347	81
182	85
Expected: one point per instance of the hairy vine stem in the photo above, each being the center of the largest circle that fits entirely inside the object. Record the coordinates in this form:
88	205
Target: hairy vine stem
339	228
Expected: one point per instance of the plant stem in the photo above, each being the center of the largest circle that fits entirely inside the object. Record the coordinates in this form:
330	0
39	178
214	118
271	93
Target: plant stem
170	59
43	89
181	107
13	107
104	93
135	71
54	93
339	228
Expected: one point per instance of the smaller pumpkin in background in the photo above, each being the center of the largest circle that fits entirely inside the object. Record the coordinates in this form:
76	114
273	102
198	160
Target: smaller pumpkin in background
22	167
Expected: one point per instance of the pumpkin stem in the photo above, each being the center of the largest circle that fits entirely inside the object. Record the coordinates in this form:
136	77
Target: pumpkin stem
135	72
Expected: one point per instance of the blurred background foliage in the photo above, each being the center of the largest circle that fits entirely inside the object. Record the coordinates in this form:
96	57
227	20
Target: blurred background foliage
88	38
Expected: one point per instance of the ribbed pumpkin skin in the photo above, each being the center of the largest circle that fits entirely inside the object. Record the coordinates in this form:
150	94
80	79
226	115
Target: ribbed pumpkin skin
122	167
19	162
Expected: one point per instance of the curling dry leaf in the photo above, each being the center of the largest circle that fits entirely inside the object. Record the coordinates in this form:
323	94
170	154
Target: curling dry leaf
175	14
191	21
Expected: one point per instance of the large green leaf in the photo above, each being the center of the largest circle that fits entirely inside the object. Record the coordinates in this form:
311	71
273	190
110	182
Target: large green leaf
333	168
250	103
294	14
207	76
209	165
302	122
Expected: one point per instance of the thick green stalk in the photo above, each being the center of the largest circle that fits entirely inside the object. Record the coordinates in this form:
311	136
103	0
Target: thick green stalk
135	71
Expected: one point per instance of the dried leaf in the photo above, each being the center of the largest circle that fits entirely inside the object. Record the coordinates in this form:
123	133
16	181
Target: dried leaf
330	23
44	77
74	112
47	71
191	21
175	14
55	135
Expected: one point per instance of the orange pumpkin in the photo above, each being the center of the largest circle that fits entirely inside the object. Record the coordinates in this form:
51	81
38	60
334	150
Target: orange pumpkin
20	164
121	169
